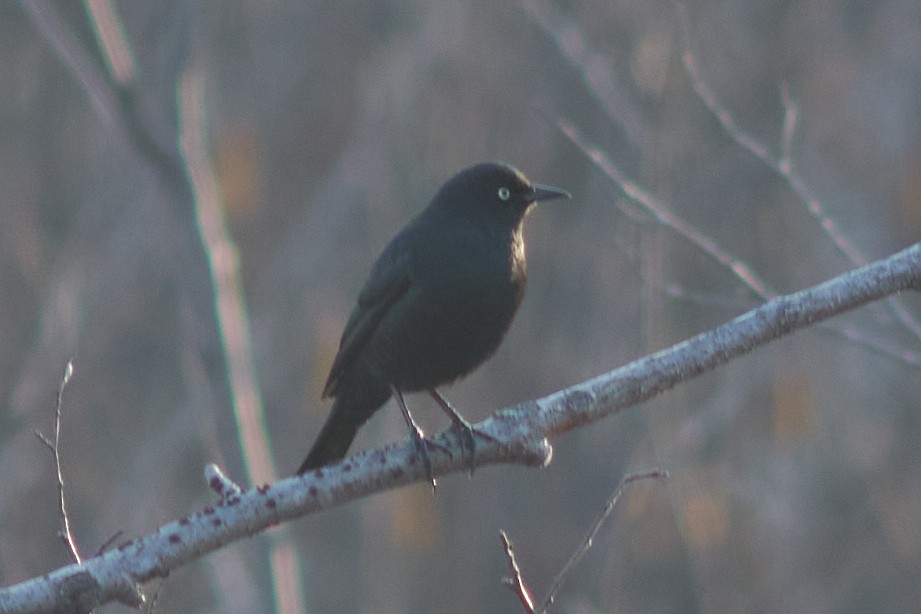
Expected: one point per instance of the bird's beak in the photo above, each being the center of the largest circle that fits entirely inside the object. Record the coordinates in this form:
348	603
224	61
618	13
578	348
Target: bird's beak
546	192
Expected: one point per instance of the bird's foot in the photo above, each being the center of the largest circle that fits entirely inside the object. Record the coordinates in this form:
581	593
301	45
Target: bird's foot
465	431
468	433
420	443
421	447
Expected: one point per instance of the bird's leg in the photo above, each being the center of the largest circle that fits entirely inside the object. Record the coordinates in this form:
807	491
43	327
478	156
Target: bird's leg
461	426
416	434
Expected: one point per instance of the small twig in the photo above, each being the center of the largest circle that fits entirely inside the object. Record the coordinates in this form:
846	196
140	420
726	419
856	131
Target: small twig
781	165
664	216
516	582
107	543
69	48
54	446
587	541
220	483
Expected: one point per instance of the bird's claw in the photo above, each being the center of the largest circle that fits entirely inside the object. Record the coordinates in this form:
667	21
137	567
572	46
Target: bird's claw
467	434
421	447
465	431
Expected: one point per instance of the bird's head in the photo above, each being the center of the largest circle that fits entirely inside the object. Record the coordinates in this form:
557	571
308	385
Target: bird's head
491	190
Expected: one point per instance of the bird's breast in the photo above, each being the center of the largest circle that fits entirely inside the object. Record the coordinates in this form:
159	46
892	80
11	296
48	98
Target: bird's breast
473	271
463	295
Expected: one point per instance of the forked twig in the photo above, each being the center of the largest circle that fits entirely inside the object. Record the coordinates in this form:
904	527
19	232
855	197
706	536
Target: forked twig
517	583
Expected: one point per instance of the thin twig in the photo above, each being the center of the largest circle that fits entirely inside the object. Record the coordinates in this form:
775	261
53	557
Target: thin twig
586	543
54	446
662	215
220	483
594	67
75	57
108	543
516	582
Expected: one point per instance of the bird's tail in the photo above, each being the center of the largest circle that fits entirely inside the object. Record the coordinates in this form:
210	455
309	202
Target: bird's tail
347	415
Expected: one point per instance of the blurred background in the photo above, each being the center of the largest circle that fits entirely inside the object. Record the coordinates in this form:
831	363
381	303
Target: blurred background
795	471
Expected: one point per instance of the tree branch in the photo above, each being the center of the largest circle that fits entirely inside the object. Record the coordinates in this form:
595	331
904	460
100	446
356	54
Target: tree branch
519	436
54	444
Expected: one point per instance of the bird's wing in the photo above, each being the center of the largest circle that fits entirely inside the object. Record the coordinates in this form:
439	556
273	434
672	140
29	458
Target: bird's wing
389	280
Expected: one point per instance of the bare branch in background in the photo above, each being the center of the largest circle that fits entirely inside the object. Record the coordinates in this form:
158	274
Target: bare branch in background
183	167
784	167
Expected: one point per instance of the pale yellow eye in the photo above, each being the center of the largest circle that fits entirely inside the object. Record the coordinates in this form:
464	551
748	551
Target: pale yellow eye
504	193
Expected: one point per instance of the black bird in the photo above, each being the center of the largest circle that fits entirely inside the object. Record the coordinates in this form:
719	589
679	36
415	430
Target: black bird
438	302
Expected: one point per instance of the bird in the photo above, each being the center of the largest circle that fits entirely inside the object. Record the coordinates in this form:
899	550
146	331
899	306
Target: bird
437	304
